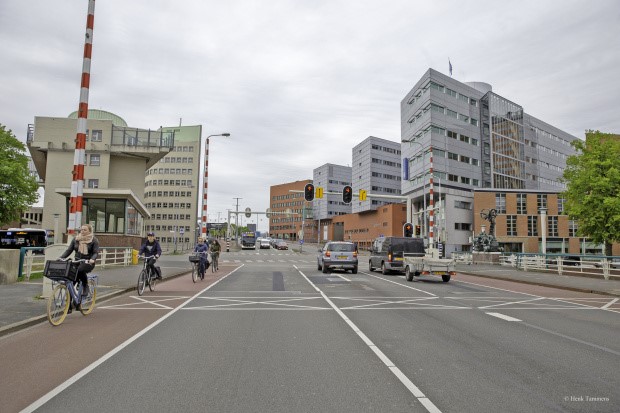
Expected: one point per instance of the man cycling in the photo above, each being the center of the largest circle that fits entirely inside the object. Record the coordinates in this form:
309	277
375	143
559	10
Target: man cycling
151	250
202	247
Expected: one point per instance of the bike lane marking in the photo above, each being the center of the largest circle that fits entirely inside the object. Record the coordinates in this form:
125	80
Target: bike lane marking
413	389
76	377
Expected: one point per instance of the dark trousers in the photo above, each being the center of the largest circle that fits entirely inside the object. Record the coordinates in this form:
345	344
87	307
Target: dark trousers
151	264
82	273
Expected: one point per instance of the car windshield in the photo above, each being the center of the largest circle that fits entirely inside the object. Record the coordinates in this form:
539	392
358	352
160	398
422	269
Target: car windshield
342	247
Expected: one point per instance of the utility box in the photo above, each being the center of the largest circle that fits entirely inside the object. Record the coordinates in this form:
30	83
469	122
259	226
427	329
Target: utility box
134	257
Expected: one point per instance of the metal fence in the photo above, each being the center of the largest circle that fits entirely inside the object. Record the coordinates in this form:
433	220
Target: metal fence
33	264
565	264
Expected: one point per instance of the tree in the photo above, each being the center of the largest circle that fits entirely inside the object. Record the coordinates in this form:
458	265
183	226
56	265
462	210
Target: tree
18	188
593	188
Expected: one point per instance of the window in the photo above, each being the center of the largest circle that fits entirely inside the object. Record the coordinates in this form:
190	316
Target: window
451	113
450	92
561	202
96	135
572	228
463	98
552	226
452	135
462	226
473	121
93	183
462	205
500	203
532	226
542	201
521	204
511	225
95	159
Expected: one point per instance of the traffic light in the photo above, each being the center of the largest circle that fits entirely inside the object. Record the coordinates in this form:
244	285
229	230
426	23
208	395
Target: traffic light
309	192
408	230
418	231
362	195
347	194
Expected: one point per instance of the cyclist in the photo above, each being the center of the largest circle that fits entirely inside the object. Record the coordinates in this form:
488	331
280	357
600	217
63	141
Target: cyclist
202	247
86	247
151	250
215	252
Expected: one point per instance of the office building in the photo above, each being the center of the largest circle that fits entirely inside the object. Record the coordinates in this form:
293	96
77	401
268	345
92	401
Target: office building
117	157
470	137
290	212
172	190
376	168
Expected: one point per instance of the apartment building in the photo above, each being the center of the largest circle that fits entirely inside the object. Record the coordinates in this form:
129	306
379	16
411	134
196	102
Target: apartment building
171	190
376	168
115	162
290	212
466	137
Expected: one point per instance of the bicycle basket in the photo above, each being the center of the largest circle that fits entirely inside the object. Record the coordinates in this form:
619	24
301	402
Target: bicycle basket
194	258
60	270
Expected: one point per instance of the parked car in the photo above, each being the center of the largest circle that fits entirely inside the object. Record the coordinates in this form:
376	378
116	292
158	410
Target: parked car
264	243
338	254
281	245
614	263
387	253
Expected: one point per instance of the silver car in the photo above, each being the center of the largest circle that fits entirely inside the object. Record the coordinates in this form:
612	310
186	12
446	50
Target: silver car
338	254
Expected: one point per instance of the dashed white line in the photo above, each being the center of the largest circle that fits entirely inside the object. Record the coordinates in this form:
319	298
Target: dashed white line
503	317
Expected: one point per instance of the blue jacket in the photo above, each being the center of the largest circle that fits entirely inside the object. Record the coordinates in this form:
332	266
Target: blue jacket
202	248
150	249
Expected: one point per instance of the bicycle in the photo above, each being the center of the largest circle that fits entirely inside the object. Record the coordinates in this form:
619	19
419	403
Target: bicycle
146	276
66	292
214	261
195	260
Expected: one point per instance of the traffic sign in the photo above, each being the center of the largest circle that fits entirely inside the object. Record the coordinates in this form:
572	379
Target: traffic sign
268	213
362	195
319	192
181	230
248	212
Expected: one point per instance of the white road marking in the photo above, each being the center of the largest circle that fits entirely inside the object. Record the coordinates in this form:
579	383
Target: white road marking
388	363
503	317
60	388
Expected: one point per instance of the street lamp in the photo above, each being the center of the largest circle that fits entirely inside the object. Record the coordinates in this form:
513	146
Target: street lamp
203	213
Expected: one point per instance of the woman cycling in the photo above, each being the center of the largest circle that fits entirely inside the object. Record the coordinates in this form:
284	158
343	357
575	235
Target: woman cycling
86	247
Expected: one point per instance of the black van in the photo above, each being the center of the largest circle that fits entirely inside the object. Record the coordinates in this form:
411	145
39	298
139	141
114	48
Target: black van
387	253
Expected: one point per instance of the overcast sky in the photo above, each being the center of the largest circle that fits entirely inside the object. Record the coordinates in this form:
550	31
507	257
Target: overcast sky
298	83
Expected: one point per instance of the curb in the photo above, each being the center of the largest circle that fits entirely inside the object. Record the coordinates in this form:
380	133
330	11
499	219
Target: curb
21	325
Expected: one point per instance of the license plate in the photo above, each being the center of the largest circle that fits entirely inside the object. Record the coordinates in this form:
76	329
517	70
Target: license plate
440	273
398	259
343	257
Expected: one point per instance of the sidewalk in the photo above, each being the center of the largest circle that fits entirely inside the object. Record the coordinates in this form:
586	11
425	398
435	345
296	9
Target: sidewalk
20	307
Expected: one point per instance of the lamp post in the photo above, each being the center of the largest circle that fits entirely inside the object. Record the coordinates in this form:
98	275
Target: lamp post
203	212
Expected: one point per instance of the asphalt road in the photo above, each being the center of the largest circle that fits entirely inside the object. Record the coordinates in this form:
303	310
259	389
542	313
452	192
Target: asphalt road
270	333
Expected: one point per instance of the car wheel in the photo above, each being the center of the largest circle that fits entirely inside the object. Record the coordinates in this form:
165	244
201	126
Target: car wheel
325	269
318	265
445	278
384	271
370	267
354	270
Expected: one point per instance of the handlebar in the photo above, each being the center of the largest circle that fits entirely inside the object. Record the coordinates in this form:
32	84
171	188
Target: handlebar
145	257
76	261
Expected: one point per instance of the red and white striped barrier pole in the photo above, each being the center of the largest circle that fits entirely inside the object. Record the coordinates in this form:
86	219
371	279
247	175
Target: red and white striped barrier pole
431	217
77	185
205	186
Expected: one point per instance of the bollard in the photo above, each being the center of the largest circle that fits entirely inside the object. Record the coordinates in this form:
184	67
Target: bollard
227	246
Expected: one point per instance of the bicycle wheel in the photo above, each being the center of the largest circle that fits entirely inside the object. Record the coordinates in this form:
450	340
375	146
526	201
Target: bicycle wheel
195	272
88	302
142	282
58	304
152	281
214	265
